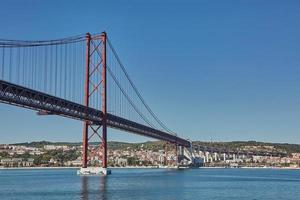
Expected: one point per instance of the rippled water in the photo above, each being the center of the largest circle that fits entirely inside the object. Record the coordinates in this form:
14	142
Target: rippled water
151	184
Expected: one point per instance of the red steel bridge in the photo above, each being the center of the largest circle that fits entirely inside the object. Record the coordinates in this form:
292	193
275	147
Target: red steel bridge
82	78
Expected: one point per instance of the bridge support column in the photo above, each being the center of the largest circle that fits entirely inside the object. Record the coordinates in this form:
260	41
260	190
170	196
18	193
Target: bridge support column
166	154
181	150
104	103
95	88
86	102
176	155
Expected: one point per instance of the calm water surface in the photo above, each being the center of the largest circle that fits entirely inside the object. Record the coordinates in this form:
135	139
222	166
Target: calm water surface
151	184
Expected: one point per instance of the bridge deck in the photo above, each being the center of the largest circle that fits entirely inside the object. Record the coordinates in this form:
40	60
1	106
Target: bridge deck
35	100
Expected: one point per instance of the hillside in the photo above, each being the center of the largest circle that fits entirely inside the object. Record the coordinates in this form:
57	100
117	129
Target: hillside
156	145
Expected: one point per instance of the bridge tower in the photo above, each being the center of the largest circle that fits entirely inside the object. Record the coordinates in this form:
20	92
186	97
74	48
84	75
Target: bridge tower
95	87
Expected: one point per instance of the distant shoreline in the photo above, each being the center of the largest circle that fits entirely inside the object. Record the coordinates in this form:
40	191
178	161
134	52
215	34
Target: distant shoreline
294	168
128	167
7	168
151	167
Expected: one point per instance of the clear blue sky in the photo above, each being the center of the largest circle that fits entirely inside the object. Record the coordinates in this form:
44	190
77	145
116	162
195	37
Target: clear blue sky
212	70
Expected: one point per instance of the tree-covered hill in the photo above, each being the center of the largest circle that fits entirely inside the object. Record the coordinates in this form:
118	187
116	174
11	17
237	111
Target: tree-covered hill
156	145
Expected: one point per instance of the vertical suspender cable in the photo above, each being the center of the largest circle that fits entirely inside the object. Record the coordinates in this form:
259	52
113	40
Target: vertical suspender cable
3	60
65	80
50	67
10	64
18	66
60	71
46	69
55	71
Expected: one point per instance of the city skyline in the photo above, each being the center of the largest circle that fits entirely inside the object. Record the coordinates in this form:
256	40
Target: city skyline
223	83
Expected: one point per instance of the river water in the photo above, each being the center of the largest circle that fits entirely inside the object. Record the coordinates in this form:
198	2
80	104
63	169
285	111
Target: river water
155	184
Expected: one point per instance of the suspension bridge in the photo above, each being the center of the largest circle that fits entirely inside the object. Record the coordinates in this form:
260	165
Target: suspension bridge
82	78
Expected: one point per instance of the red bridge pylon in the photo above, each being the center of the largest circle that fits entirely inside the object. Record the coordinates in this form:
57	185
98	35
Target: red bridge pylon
95	84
